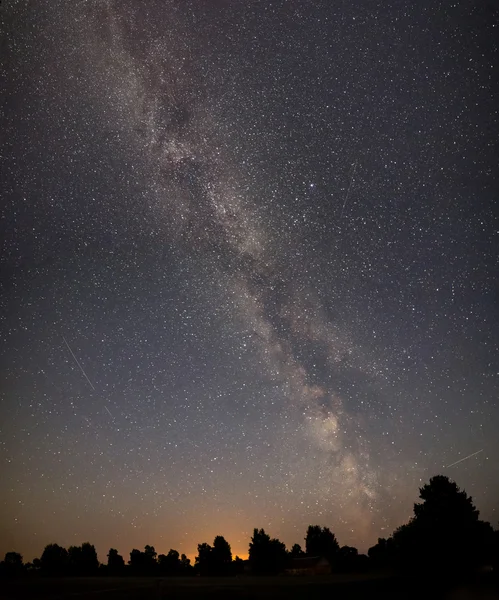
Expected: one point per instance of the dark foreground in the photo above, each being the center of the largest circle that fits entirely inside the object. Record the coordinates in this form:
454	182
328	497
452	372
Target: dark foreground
368	587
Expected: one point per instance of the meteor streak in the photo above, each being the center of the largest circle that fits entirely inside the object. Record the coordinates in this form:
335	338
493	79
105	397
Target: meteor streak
465	458
78	363
349	188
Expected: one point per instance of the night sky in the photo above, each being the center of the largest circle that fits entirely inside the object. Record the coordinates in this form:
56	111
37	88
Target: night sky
249	267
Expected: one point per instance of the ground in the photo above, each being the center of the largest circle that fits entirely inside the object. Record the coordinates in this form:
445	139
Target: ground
245	588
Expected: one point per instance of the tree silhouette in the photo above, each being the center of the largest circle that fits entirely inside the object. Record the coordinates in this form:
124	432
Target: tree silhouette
266	556
216	559
185	565
36	564
29	567
495	550
444	535
115	562
348	559
136	561
296	551
54	560
74	559
382	554
150	554
238	566
143	563
444	502
169	564
221	556
82	560
320	541
12	565
204	559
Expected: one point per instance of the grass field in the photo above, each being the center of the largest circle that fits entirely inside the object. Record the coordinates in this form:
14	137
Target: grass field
307	588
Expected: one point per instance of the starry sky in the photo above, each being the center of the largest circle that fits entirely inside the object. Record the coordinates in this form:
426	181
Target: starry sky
249	267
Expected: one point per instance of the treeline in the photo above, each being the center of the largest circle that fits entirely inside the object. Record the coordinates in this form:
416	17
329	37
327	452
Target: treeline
267	556
445	534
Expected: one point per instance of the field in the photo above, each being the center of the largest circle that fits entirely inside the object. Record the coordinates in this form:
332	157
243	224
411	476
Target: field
244	588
